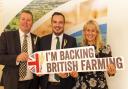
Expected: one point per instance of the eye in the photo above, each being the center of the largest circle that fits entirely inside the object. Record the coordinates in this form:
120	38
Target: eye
61	22
29	20
94	31
22	18
87	30
54	22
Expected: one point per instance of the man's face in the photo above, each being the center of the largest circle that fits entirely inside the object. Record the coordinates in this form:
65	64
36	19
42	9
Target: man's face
25	22
57	24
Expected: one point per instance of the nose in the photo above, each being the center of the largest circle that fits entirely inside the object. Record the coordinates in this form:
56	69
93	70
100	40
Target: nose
24	21
57	24
90	32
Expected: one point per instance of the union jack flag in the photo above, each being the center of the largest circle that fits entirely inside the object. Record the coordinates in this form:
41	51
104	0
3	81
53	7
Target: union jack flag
33	63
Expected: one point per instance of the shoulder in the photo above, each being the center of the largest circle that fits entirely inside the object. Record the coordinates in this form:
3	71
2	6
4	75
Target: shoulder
9	33
105	51
69	37
70	40
46	37
33	34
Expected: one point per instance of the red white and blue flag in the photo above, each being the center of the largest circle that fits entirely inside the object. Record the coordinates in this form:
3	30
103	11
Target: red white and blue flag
35	63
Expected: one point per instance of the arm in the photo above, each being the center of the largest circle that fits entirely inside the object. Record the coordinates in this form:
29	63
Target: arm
5	57
111	69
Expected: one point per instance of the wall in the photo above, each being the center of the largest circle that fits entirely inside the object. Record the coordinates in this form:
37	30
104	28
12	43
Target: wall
117	37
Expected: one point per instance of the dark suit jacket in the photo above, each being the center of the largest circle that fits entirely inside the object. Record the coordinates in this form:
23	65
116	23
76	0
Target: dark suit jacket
45	44
10	47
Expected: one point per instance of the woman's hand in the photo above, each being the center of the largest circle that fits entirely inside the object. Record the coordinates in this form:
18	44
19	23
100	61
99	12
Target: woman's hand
74	74
111	69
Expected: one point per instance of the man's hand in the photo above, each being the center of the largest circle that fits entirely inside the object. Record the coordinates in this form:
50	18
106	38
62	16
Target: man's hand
22	57
63	75
39	75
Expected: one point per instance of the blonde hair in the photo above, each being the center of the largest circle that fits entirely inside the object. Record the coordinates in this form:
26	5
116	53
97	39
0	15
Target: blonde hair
98	40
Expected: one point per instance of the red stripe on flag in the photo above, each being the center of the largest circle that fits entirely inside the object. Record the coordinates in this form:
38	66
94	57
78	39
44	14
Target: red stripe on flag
36	55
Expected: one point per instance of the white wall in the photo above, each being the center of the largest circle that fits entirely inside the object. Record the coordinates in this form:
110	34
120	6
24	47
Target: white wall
10	8
118	39
117	36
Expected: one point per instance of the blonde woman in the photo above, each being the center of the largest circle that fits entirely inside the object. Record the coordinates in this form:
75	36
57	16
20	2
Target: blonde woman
94	80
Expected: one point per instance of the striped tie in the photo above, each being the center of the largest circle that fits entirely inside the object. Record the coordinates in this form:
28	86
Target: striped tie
23	65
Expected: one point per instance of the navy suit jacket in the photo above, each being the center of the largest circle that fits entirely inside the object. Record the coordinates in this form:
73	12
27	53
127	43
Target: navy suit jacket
10	47
45	44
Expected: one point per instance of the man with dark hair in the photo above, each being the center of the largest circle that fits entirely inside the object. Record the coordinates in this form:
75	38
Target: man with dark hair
57	40
15	46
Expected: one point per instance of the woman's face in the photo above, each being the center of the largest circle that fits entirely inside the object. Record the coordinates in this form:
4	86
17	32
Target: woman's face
90	33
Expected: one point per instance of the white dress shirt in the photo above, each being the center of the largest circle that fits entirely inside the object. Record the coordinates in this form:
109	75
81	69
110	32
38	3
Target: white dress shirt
53	46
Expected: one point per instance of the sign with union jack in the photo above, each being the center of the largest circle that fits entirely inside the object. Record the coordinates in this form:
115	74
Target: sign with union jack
35	62
79	59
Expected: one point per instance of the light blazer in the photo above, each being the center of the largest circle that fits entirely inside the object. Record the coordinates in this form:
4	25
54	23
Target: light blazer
10	47
45	44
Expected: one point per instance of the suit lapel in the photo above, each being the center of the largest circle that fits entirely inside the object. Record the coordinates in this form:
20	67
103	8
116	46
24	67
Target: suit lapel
64	42
34	39
49	41
17	42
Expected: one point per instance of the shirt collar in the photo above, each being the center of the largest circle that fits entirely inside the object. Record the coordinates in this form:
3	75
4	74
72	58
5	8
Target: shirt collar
22	33
54	36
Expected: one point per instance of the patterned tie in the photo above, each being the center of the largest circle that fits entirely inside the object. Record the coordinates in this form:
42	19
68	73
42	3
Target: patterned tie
57	47
23	65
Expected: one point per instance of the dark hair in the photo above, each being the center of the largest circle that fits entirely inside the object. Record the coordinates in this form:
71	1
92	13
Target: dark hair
58	13
27	11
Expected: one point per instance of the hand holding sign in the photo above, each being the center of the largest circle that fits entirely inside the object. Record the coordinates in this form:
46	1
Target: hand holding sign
111	69
74	74
63	75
